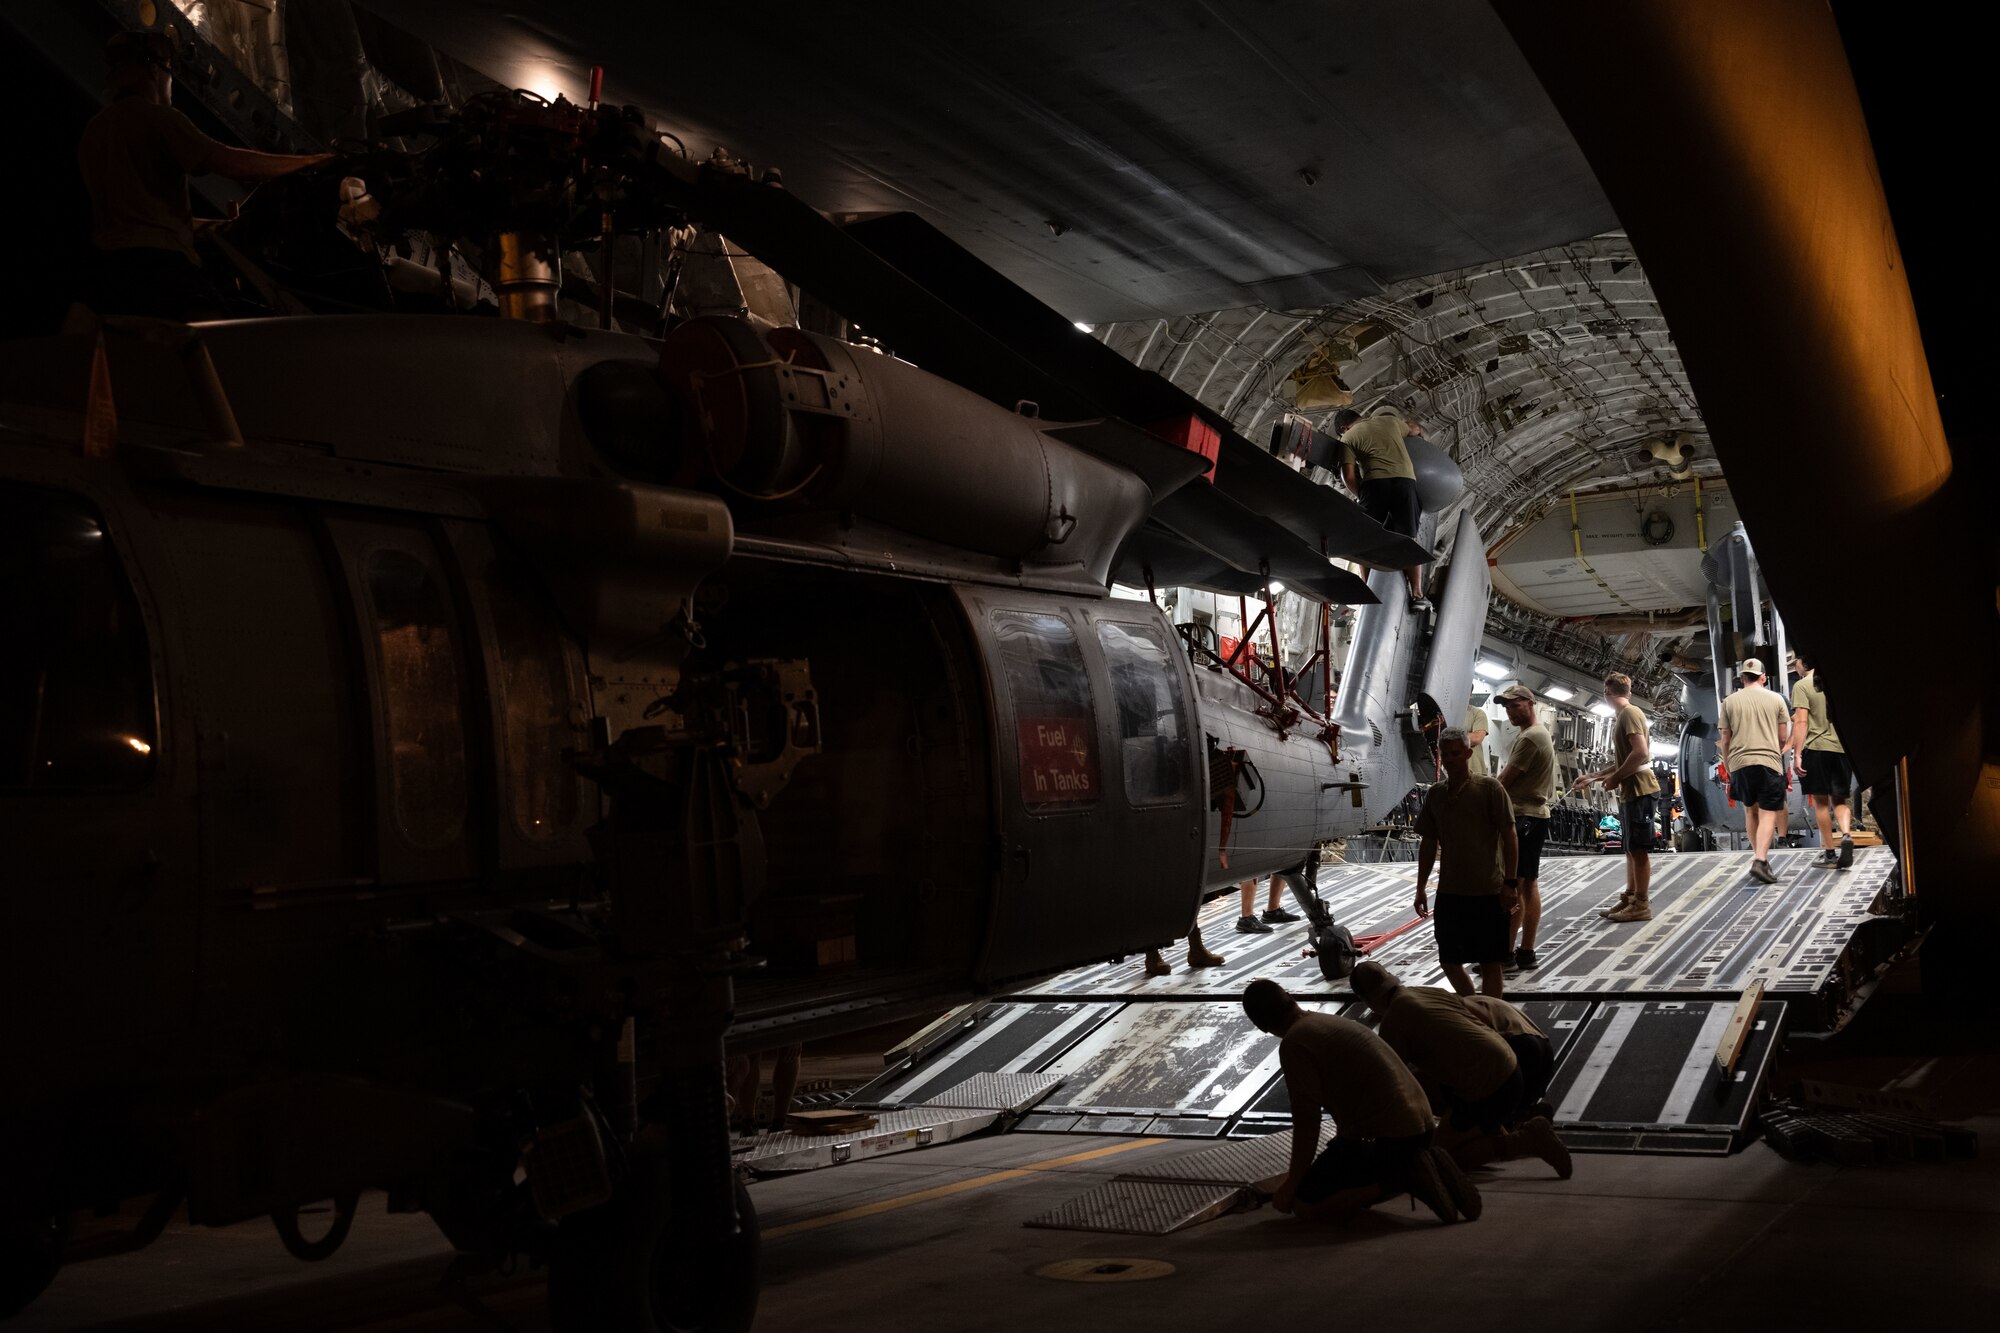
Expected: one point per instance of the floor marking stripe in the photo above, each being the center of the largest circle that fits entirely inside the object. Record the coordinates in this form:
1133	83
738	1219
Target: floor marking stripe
957	1187
1617	1026
1699	1071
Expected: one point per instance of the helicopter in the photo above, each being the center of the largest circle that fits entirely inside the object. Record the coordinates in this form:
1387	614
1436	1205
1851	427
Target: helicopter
439	739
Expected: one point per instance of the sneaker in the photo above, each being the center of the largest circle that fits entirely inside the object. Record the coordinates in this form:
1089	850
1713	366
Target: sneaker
1278	916
1524	958
1846	852
1457	1187
1637	910
1250	925
1540	1138
1427	1186
1624	901
1761	872
1826	860
1420	606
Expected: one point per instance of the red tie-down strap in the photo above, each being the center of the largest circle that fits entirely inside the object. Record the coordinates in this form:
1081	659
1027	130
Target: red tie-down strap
1370	943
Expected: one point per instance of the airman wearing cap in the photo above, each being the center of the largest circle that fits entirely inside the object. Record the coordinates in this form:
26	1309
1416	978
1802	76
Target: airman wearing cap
1754	733
1529	776
1469	819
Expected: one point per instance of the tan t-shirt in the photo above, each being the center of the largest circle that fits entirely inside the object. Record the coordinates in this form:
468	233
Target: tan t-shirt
136	157
1629	721
1337	1064
1757	721
1820	734
1377	446
1476	721
1469	826
1435	1032
1533	759
1502	1017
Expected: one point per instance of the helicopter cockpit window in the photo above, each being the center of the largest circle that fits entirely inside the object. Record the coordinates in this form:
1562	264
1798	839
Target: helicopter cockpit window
76	683
1053	730
420	684
1152	733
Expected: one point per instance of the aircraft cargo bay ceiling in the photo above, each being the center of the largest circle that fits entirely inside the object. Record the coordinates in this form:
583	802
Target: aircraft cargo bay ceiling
1548	376
1120	160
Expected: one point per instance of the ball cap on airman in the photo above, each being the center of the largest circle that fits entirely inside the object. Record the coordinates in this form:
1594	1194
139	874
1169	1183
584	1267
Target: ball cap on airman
1514	692
1752	666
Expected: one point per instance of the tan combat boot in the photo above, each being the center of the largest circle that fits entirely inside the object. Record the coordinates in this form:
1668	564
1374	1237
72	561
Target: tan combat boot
1198	954
1638	909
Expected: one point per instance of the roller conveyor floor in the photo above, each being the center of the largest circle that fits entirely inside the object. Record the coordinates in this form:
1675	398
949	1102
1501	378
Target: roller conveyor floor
1714	931
1637	1011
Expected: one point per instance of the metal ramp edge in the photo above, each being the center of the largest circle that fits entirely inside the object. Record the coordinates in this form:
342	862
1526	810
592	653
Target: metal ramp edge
1143	1207
1180	1191
977	1104
1642	1076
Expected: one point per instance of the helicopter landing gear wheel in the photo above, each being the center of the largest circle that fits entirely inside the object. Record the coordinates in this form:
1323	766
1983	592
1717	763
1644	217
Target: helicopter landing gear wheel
30	1254
623	1268
312	1251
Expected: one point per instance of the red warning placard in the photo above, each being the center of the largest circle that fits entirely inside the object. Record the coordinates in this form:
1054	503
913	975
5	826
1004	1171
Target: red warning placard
1058	760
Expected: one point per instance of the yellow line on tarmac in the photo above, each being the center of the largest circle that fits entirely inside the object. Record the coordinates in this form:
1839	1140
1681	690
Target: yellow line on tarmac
946	1191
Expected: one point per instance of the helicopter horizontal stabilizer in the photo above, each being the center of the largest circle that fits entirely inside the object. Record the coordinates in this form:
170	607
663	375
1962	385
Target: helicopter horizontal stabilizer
1175	561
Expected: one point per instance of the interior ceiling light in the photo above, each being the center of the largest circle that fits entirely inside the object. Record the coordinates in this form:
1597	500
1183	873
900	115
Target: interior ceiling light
1086	328
1491	669
1601	708
1560	693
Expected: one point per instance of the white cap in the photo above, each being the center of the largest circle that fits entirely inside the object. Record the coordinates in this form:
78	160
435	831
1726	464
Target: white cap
1752	666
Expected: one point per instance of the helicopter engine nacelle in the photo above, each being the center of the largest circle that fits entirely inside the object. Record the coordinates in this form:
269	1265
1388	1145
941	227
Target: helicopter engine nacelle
787	419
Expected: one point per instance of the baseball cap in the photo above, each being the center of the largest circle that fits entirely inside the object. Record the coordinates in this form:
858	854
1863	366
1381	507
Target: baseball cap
1516	691
1752	666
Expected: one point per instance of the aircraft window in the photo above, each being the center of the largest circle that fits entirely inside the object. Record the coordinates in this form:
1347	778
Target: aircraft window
1053	731
536	699
1152	732
76	682
420	684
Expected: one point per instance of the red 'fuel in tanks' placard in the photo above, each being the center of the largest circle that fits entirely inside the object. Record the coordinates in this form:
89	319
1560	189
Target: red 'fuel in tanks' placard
1058	763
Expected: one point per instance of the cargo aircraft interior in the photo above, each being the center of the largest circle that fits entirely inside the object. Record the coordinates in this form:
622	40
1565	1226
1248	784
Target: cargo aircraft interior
1112	665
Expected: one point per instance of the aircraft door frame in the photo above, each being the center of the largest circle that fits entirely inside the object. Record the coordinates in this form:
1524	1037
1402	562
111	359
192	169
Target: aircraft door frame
126	859
1081	870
